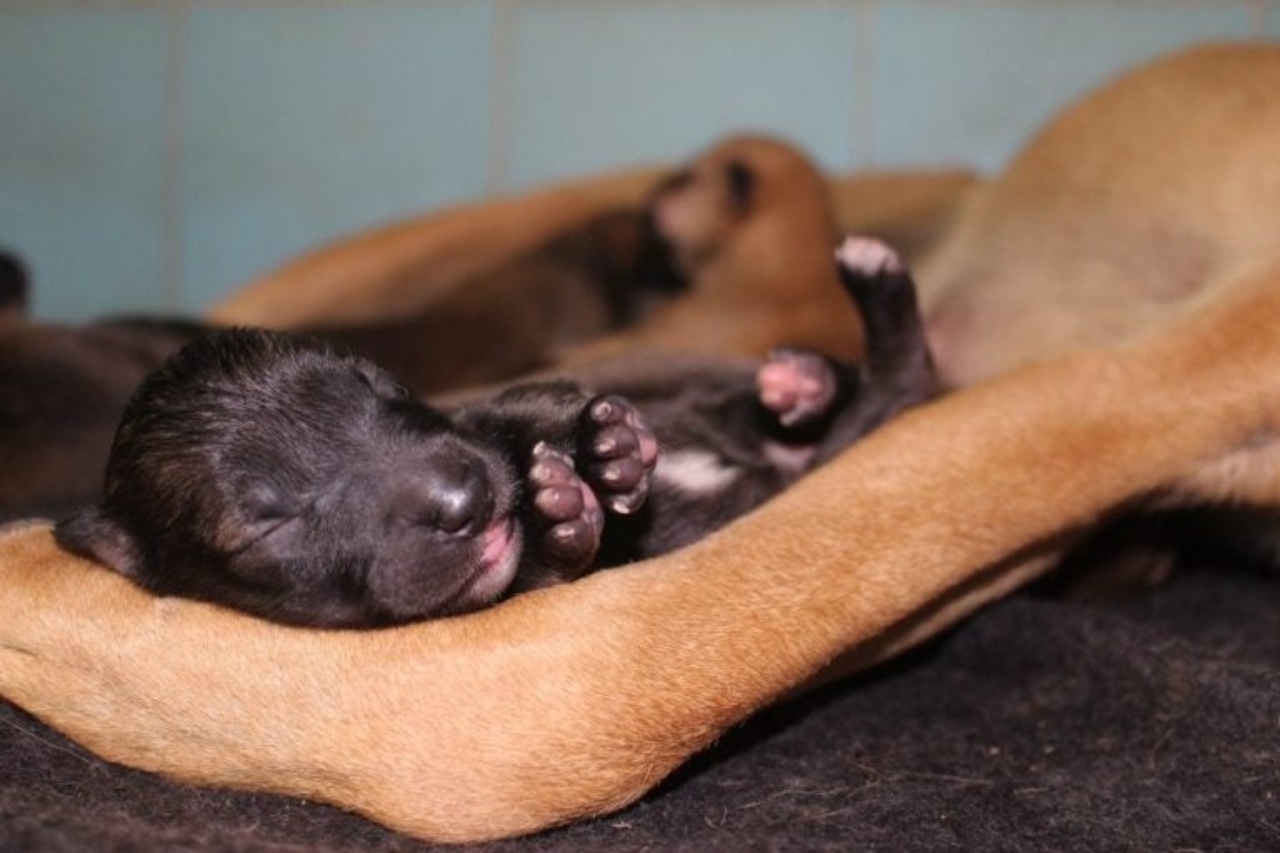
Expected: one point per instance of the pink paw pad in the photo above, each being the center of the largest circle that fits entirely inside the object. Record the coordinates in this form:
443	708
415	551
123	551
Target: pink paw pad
795	385
567	506
623	452
868	256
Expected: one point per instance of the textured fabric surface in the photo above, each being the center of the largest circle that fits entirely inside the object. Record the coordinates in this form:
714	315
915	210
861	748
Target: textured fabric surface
1152	724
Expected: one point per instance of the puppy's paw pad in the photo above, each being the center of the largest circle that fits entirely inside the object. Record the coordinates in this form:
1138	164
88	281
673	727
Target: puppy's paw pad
797	385
566	506
619	453
868	257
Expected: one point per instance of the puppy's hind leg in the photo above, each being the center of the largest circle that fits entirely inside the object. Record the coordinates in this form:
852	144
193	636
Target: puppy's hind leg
880	284
897	372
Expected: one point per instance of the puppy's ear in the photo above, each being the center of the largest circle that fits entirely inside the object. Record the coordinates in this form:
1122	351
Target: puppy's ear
94	534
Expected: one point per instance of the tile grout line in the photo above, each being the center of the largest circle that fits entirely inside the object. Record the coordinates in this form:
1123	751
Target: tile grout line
172	229
501	39
866	23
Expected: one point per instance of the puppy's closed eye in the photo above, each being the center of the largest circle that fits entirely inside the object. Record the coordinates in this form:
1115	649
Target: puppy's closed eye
741	180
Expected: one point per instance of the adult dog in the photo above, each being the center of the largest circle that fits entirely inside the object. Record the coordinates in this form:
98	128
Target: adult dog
576	700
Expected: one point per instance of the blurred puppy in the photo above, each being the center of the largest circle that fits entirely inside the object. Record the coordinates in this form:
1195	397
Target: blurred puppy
750	225
599	277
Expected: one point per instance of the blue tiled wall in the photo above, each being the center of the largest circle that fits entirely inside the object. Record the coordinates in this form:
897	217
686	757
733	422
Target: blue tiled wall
155	154
595	85
83	160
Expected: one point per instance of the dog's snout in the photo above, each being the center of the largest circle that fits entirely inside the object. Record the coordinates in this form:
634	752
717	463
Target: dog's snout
457	496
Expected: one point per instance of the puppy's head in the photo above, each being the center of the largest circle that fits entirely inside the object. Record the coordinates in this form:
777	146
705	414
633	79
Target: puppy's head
704	208
270	474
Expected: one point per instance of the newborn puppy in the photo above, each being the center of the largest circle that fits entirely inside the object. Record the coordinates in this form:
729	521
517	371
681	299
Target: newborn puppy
270	474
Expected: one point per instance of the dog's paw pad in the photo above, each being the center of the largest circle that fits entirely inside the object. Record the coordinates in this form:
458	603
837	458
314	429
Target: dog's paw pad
618	455
571	516
796	385
868	257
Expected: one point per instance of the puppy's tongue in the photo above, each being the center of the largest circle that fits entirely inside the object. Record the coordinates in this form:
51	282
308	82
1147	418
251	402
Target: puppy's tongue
496	541
498	562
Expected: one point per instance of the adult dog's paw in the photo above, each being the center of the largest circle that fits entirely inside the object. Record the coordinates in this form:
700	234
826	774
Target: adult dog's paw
797	385
617	453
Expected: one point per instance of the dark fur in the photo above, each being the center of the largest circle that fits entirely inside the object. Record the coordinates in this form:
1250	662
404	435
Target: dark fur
601	277
270	474
13	286
62	392
63	389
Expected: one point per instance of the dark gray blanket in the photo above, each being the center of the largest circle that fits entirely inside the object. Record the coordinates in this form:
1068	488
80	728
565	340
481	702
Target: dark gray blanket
1152	724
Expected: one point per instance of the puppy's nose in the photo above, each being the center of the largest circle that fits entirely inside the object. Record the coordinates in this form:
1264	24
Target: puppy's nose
458	497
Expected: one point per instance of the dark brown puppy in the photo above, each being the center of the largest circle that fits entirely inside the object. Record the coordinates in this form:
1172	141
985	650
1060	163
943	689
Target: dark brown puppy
606	275
310	488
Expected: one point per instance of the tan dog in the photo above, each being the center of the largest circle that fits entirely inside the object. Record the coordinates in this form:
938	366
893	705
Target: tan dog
1160	185
576	700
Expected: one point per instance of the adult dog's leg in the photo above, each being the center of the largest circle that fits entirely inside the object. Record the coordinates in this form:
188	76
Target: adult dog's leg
576	700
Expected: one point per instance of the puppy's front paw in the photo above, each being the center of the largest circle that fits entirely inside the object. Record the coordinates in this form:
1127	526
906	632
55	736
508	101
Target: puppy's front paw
799	386
617	455
568	518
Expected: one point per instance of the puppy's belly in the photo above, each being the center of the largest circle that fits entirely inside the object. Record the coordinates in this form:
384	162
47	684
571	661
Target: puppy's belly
695	473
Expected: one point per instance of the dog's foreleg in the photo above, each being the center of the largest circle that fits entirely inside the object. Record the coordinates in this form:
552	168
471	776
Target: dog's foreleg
576	700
